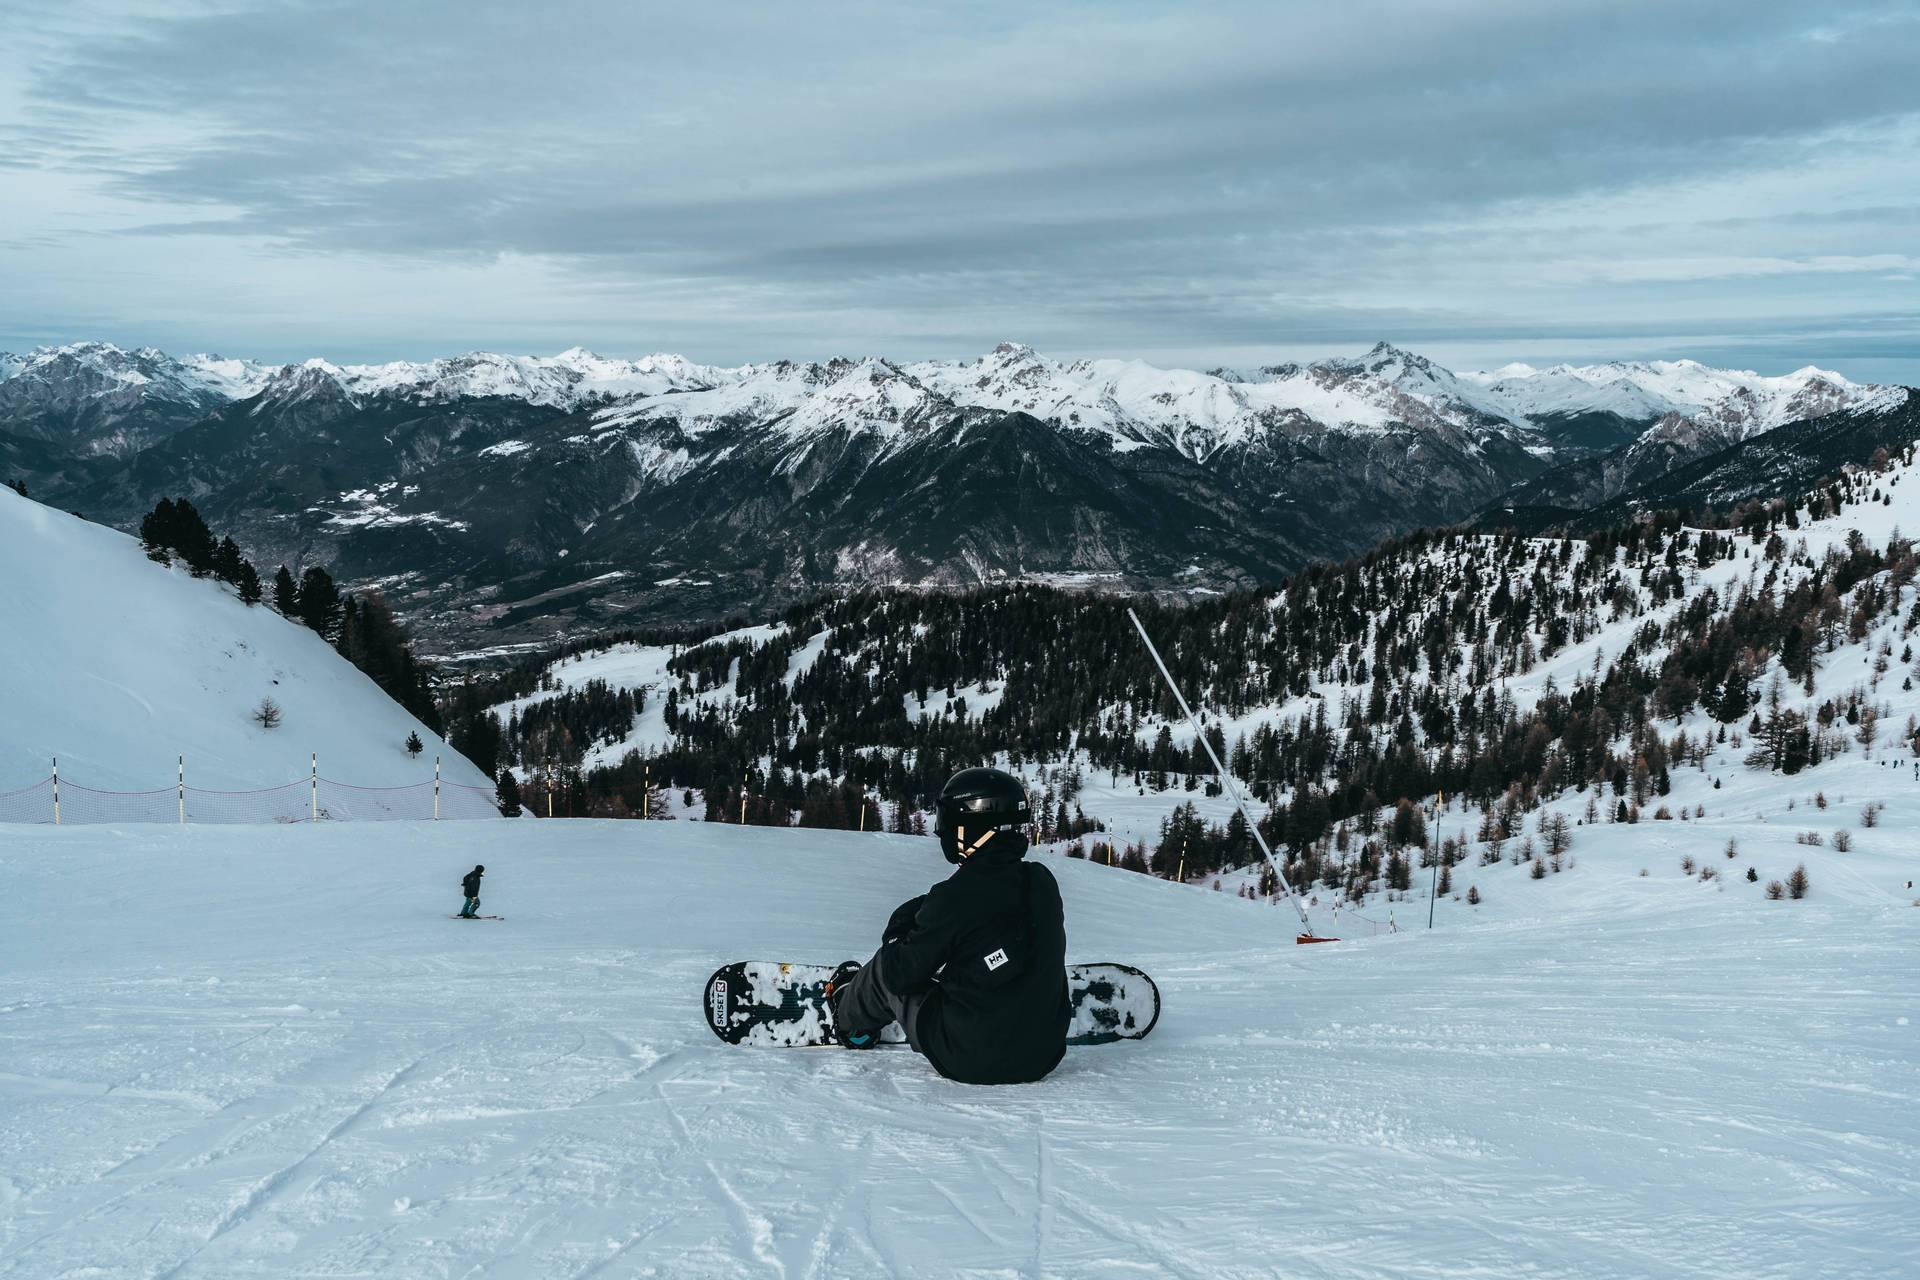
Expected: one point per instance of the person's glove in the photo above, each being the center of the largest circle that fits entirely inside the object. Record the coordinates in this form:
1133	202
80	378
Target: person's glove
902	921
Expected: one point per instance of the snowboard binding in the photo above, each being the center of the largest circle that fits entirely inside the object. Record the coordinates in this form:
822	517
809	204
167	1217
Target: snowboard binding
835	989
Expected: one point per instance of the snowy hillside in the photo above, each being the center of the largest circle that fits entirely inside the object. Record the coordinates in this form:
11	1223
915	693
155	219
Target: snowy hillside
1642	676
268	1052
117	665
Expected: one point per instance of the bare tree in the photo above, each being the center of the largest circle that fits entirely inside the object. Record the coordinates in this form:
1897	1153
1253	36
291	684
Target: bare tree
267	714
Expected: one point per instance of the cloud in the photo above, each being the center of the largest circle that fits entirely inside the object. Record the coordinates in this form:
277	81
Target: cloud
765	178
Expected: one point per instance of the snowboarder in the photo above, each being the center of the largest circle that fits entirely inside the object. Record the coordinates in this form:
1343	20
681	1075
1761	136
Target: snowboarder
470	885
974	970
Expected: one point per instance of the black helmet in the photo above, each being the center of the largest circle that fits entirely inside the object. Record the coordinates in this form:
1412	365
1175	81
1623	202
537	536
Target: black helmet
977	801
478	867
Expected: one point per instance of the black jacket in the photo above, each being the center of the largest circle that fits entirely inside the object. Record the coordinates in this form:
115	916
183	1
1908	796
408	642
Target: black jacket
471	884
989	946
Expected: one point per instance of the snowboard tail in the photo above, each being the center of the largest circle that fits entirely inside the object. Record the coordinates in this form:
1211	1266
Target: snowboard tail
768	1004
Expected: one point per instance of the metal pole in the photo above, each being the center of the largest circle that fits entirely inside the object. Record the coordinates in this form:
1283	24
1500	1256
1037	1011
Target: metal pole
743	799
1226	779
549	788
316	786
436	788
646	808
56	791
183	789
1433	892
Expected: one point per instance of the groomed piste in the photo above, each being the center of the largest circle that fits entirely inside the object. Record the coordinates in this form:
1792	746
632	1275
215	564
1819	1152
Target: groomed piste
267	1052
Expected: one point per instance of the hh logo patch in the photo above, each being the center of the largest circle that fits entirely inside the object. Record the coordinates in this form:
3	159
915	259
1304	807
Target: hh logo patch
996	959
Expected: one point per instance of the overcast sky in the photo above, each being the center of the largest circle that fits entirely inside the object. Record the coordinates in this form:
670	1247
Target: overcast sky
1190	183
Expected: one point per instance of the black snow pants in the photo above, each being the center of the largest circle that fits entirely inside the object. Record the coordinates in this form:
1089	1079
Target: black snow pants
869	1005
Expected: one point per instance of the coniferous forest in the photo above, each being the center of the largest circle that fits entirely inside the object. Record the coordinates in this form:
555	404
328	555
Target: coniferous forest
1334	698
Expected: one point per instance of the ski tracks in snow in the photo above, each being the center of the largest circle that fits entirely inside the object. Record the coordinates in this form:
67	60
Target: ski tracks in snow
1650	1094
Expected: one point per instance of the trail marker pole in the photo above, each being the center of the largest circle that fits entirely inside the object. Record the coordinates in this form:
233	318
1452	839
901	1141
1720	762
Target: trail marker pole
436	788
549	788
183	789
743	798
1433	892
863	817
56	791
1226	779
316	786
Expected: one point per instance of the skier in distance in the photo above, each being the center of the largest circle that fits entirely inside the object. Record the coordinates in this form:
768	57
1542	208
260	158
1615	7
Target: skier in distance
975	968
470	885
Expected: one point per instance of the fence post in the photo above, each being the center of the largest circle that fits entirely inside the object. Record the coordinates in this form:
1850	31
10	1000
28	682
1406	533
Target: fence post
549	788
743	799
56	791
316	786
863	817
436	788
182	760
646	808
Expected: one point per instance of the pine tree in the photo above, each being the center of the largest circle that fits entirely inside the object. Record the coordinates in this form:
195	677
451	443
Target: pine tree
248	581
414	745
286	596
192	539
227	561
156	531
319	601
477	737
506	794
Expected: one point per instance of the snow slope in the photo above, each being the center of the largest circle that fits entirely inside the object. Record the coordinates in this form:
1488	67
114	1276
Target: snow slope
118	665
268	1052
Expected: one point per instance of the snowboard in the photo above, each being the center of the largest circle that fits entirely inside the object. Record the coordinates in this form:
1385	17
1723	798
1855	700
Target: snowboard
772	1005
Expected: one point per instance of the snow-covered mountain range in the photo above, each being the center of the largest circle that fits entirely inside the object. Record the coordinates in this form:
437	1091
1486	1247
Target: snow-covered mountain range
1134	402
524	494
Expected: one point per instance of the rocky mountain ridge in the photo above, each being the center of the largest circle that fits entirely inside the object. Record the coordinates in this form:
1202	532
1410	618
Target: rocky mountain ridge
505	500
